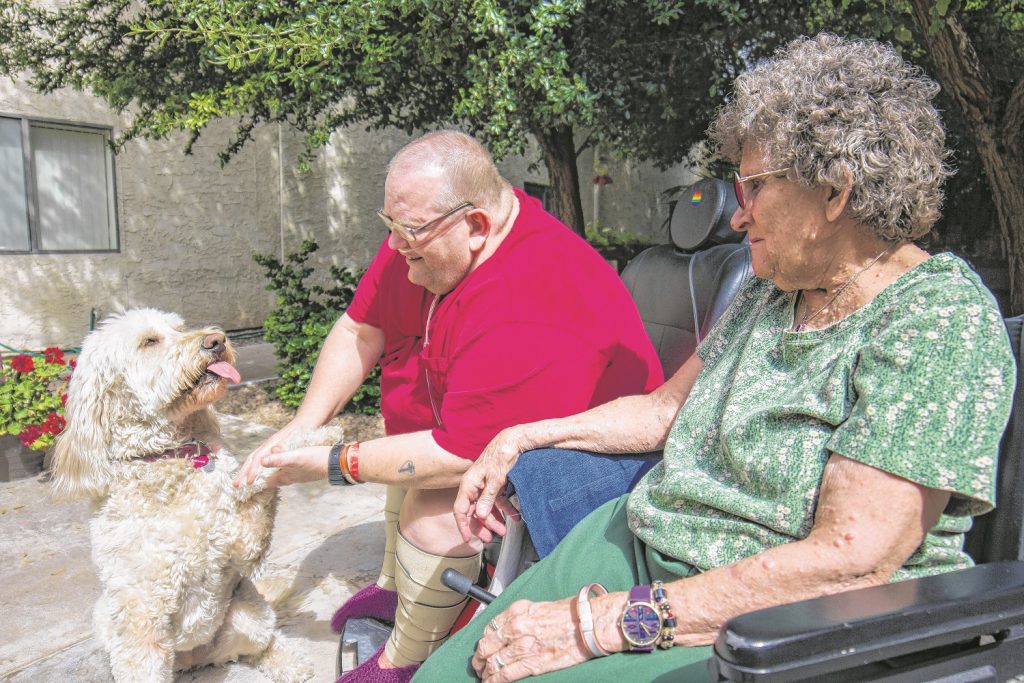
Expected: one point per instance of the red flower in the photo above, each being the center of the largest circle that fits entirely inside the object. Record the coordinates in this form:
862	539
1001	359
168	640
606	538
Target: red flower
23	363
73	363
29	434
54	424
54	355
63	399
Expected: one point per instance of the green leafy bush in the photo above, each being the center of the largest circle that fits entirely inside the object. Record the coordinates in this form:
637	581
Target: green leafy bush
299	324
617	245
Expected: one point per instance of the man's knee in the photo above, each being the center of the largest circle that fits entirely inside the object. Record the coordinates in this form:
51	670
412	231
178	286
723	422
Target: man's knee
426	521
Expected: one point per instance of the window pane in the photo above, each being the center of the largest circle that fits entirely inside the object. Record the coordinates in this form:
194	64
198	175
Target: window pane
13	205
75	188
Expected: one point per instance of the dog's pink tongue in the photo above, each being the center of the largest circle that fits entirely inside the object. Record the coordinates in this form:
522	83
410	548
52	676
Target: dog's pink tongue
226	370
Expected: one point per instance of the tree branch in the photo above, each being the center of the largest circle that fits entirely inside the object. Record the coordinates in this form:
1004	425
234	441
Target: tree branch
584	144
961	71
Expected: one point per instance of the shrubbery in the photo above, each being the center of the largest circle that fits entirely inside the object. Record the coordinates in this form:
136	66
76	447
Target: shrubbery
617	245
299	324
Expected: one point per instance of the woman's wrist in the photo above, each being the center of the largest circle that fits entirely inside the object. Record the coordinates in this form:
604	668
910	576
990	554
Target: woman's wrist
607	611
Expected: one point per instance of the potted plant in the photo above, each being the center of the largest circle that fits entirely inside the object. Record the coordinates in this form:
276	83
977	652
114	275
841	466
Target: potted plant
33	390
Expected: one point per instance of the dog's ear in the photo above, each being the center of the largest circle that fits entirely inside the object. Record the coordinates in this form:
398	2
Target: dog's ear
81	457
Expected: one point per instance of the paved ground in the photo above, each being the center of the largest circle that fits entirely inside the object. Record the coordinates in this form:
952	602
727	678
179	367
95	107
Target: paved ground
327	544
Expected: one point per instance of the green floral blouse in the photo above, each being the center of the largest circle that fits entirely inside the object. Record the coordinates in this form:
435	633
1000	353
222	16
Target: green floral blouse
917	383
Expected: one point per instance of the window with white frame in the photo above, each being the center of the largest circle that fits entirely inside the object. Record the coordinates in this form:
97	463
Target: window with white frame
56	187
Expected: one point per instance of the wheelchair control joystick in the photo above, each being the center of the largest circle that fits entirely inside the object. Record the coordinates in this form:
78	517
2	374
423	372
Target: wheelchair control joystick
463	585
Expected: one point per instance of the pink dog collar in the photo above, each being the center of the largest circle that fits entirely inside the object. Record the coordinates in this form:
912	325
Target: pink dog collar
196	452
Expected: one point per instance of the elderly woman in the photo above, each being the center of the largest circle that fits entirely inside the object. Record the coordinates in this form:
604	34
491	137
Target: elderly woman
837	429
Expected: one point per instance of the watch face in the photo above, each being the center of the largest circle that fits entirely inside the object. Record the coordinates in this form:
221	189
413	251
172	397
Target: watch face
641	624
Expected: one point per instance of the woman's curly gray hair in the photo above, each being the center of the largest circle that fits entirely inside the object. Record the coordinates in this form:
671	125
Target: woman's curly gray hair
840	111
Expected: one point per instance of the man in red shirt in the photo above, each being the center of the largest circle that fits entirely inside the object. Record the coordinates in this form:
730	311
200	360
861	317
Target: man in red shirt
484	312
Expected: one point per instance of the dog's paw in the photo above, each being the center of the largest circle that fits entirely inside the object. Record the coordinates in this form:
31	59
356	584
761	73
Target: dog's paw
324	436
282	665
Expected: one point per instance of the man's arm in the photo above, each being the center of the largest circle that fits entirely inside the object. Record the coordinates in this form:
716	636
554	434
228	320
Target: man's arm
348	355
407	460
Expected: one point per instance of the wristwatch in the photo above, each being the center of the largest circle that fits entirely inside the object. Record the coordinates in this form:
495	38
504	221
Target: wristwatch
641	621
335	471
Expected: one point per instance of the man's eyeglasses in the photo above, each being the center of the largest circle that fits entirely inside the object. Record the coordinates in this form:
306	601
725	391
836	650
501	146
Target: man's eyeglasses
409	233
745	192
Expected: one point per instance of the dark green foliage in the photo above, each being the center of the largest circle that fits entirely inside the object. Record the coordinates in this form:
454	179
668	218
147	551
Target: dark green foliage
617	245
304	315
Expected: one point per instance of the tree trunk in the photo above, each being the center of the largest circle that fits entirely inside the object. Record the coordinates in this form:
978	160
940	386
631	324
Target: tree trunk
559	150
997	132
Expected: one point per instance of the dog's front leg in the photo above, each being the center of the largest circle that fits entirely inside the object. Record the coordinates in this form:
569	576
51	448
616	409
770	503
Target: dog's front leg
248	633
139	642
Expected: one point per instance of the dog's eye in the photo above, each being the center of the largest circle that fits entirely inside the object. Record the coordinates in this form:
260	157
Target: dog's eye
150	341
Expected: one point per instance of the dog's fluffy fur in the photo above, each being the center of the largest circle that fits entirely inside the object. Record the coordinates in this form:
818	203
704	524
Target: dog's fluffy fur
176	547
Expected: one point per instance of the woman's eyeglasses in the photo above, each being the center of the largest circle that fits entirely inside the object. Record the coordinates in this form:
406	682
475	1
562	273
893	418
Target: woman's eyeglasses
745	192
409	233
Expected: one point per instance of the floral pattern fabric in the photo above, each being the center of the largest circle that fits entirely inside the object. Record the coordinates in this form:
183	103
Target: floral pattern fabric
917	383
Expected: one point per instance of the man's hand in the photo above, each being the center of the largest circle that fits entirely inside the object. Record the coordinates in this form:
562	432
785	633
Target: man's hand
298	466
479	496
250	469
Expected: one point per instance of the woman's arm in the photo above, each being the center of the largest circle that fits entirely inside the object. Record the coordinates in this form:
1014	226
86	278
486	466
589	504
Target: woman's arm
631	424
867	523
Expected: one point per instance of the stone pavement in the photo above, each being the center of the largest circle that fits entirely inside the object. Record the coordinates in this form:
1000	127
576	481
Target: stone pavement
327	544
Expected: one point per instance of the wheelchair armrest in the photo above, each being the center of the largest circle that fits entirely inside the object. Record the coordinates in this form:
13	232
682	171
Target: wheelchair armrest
834	633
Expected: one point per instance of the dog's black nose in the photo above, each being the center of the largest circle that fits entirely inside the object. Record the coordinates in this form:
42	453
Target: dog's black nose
214	342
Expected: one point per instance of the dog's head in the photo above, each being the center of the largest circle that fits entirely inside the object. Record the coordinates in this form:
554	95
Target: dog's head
142	384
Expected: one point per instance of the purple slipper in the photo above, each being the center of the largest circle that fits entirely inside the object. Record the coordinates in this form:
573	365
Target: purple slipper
369	672
372	601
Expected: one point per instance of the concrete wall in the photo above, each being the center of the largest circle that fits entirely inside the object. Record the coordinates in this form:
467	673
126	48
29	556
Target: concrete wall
187	231
188	227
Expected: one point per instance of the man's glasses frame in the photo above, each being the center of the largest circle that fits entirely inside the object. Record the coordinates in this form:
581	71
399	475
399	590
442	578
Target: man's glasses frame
409	233
741	194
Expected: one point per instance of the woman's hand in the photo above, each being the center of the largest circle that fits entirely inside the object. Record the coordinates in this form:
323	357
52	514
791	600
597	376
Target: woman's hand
527	639
482	485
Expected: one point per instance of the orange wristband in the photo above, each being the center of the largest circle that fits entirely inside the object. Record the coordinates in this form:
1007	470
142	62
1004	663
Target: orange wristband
352	461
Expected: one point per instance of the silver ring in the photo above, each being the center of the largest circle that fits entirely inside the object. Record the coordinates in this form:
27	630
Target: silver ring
497	662
493	624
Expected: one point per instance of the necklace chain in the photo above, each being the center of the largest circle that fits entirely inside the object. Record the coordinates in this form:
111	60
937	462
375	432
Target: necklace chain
808	316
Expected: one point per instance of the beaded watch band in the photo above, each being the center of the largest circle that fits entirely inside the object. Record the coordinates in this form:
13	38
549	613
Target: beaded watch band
668	619
587	618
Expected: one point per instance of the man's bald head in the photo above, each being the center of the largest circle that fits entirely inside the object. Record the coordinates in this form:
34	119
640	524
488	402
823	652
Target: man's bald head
466	167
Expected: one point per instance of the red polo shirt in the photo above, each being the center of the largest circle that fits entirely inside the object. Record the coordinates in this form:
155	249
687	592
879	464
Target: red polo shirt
543	328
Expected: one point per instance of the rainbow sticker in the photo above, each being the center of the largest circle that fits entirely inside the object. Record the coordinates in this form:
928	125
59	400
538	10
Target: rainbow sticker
695	199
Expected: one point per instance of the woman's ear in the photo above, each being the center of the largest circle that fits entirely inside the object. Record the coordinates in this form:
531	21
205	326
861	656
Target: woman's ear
837	200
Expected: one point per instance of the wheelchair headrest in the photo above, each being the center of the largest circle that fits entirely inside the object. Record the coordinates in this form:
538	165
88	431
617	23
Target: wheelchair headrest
702	214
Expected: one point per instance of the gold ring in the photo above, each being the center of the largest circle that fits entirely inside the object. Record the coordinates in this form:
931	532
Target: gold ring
493	624
497	662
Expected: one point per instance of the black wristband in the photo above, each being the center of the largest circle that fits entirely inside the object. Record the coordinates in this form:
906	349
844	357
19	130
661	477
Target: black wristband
334	473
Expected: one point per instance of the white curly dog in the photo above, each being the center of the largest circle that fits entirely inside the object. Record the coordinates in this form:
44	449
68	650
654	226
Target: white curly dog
176	546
